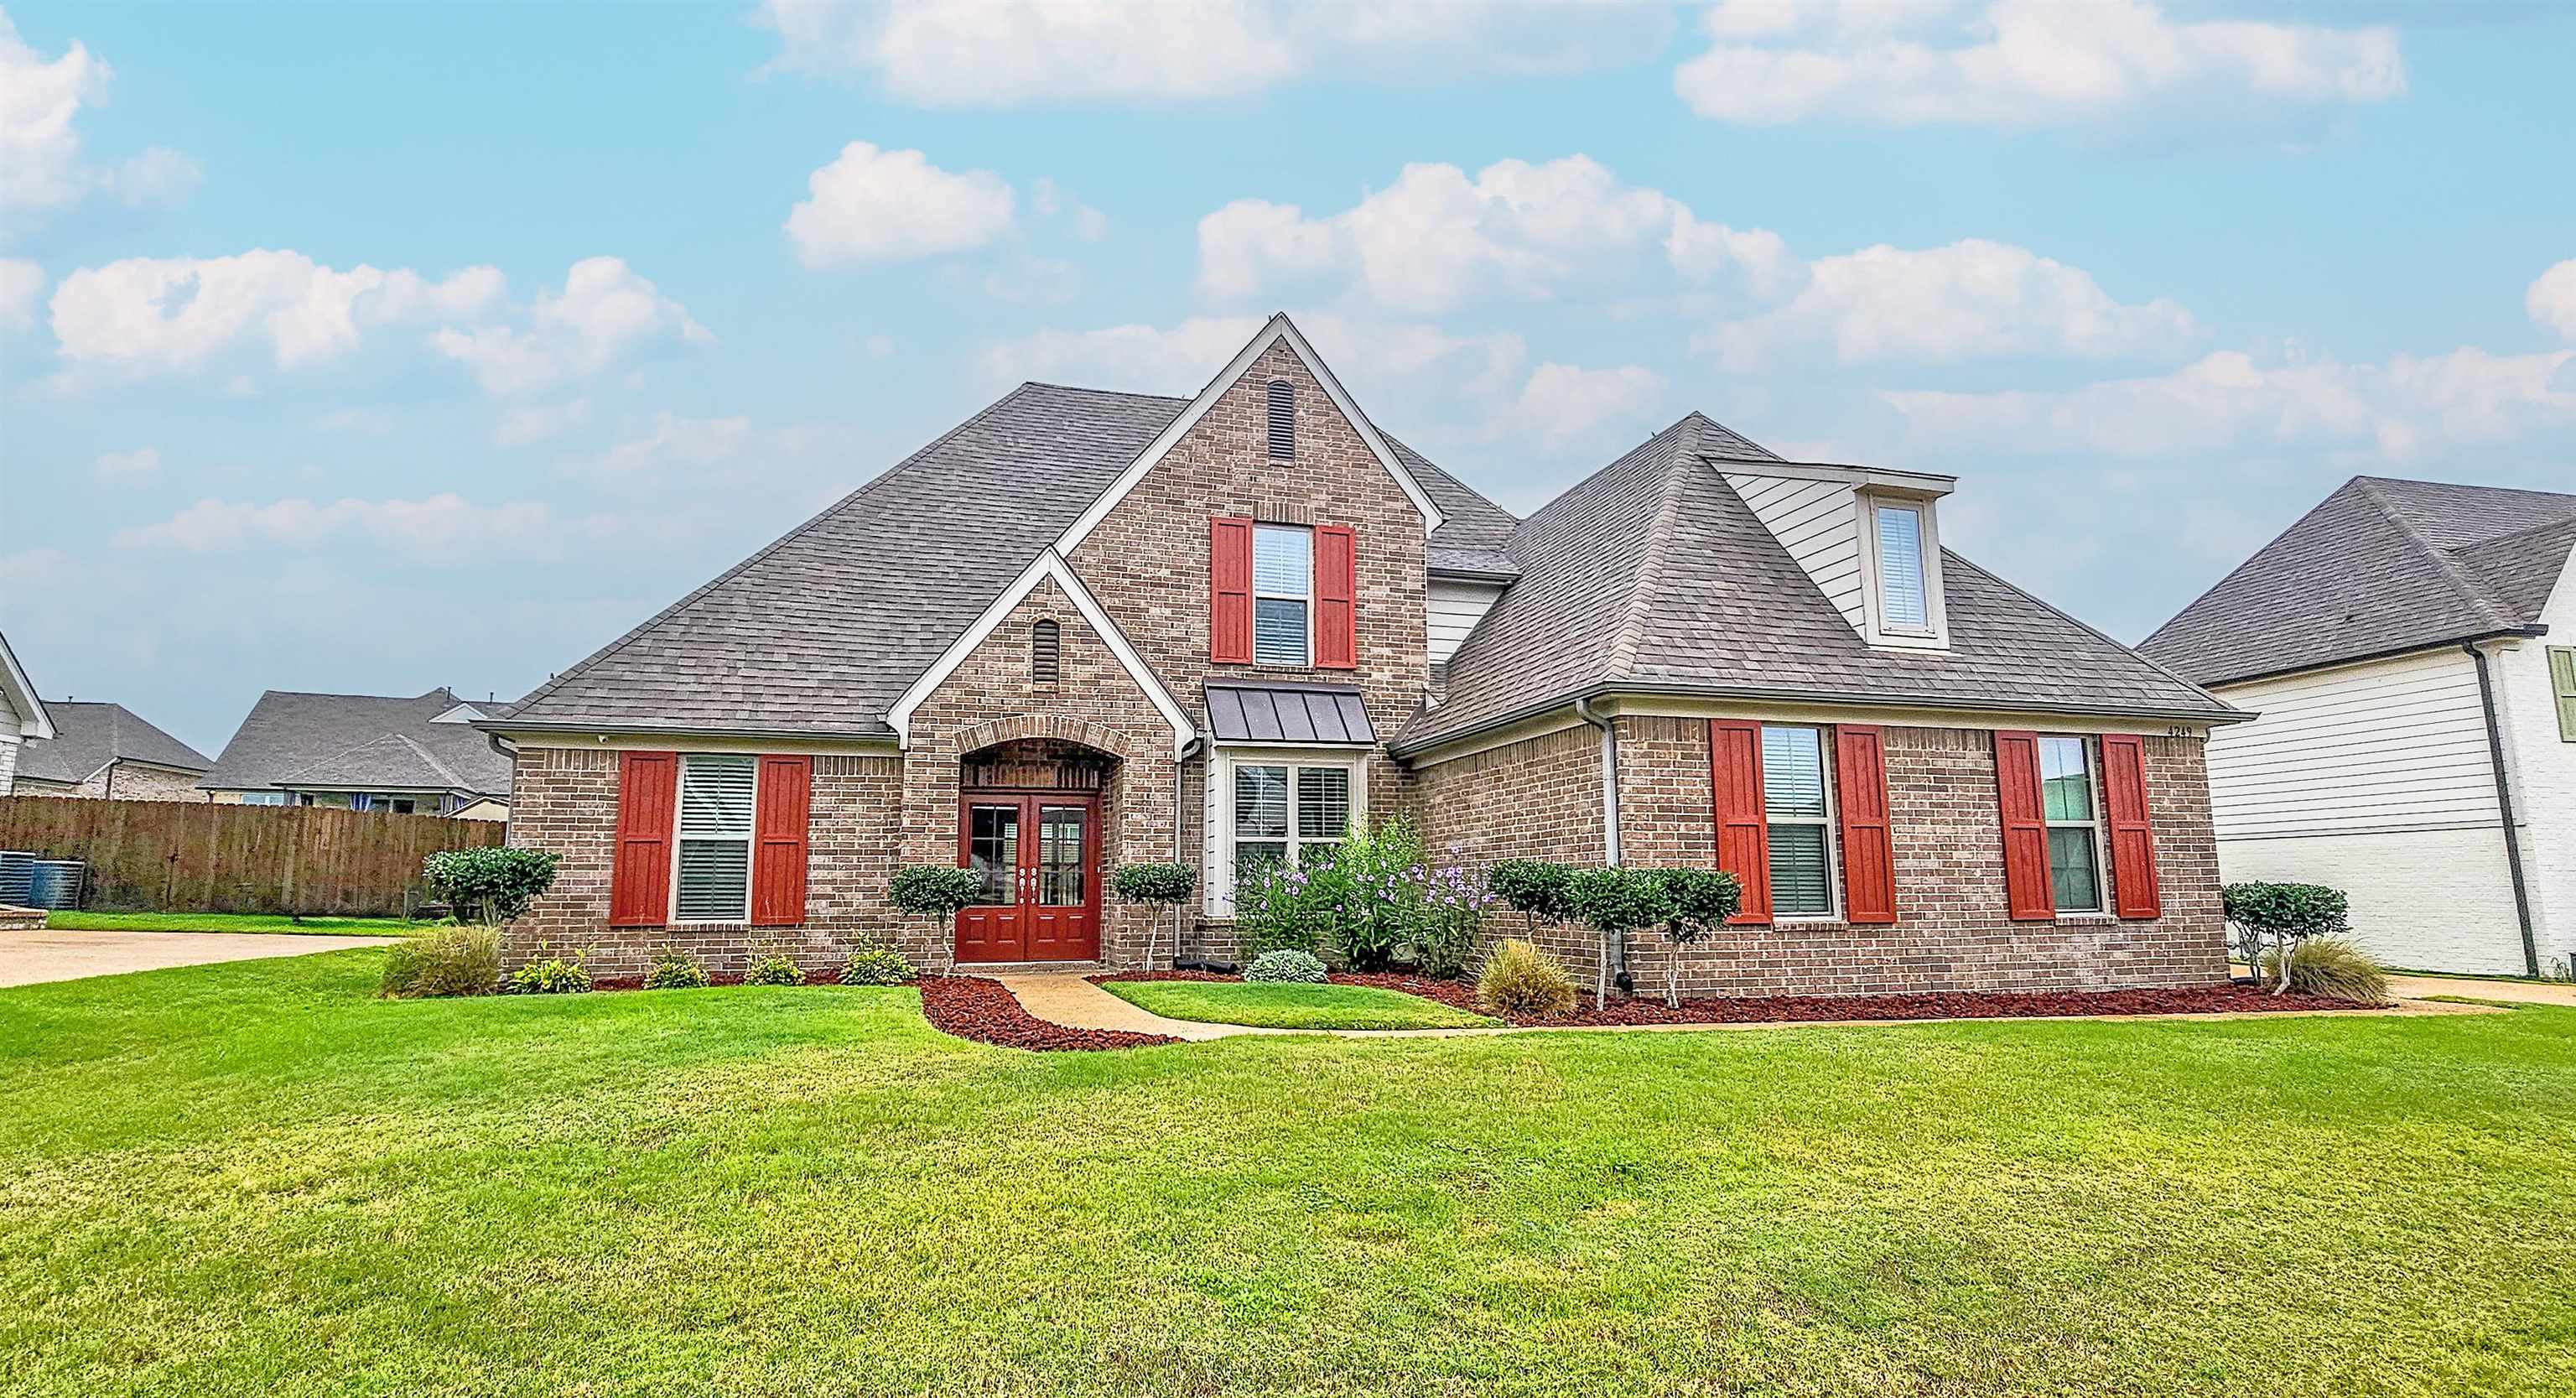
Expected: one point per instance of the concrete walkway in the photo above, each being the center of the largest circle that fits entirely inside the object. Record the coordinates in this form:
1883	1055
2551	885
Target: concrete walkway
2519	992
46	954
1066	998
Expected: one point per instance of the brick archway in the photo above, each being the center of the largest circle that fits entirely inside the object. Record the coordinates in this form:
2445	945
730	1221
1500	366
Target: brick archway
1059	727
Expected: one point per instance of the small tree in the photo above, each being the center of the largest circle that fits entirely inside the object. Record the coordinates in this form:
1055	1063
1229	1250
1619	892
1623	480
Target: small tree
934	891
2286	914
494	885
1534	888
1169	885
1617	901
1696	903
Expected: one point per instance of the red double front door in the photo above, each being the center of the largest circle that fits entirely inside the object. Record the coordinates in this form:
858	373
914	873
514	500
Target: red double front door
1039	855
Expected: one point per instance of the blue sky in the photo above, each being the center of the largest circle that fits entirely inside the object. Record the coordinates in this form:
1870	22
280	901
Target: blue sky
370	348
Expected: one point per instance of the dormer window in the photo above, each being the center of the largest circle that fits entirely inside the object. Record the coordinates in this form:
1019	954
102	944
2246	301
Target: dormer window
1902	566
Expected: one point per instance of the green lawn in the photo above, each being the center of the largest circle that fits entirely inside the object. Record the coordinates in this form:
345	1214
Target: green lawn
230	922
254	1179
1277	1006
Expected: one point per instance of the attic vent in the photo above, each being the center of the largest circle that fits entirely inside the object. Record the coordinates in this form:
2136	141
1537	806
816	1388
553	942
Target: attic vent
1283	420
1046	651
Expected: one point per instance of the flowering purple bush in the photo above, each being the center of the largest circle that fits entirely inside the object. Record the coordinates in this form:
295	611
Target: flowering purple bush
1364	901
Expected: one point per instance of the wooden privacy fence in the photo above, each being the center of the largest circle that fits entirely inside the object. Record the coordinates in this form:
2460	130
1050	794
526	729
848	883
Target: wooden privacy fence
196	856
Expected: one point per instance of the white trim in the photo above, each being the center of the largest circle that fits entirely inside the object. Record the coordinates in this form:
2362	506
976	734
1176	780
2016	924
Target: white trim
1306	599
1049	564
1279	329
1936	611
1833	909
552	741
1218	882
750	843
33	721
1927	484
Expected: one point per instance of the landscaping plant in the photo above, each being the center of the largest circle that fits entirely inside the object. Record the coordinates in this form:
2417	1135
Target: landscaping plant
488	885
551	975
1169	885
876	966
2336	969
1288	966
1534	888
675	971
1453	918
1368	895
934	891
1617	901
444	961
2285	915
1697	902
1273	911
773	969
1520	979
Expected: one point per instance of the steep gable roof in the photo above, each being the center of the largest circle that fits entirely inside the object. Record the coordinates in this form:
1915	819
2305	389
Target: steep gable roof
392	763
89	735
2378	567
290	736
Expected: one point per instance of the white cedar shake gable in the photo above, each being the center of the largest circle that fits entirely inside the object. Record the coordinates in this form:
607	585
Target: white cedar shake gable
1822	515
1049	564
1278	330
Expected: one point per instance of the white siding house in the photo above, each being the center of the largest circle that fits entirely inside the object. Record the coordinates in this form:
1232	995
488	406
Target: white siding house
22	716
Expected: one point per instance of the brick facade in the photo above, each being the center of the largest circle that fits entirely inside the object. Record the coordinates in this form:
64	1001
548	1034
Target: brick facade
122	781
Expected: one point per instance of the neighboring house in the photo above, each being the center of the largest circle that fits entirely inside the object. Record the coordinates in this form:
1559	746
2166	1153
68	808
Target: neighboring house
2411	648
1087	628
104	751
22	716
420	755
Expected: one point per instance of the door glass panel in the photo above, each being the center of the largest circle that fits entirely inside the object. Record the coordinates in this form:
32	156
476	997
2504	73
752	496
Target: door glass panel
993	851
1060	831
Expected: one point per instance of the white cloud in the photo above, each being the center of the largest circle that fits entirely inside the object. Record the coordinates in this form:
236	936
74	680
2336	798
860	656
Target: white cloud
872	205
2551	300
1010	52
426	528
168	315
1562	403
1435	238
2015	63
604	312
41	167
677	446
520	426
22	286
1052	200
127	467
1972	299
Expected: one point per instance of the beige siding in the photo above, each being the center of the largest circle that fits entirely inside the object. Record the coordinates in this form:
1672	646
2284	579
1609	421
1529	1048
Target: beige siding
2389	745
1818	522
1456	607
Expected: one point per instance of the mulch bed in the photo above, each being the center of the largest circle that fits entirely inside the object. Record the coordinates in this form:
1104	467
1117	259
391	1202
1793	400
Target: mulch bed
982	1009
1787	1009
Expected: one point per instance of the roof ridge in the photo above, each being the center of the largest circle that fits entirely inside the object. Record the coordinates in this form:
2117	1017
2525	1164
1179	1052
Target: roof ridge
2248	561
432	759
1655	549
2470	590
2559	522
2466	485
1104	392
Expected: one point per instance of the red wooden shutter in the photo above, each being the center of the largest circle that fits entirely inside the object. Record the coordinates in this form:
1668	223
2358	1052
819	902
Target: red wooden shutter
1743	835
1230	591
1337	584
778	841
639	879
1869	853
2027	897
2133	841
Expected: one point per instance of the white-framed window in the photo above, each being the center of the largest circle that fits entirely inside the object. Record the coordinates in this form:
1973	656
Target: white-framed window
1797	806
263	798
1272	807
1901	563
711	858
2071	802
1283	595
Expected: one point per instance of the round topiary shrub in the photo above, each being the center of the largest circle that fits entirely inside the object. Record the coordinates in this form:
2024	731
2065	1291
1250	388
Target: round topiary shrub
1287	966
1520	979
675	972
774	970
877	966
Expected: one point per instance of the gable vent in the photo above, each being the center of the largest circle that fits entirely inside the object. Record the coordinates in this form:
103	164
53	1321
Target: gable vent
1046	652
1283	420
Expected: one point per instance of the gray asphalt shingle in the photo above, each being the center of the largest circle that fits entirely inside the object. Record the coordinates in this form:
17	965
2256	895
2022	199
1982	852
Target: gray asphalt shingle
89	735
289	734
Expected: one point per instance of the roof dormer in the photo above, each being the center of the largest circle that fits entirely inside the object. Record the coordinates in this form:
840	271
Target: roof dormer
1870	538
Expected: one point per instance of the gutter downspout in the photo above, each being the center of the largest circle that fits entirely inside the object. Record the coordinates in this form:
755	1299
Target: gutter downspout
2504	807
1180	843
1618	958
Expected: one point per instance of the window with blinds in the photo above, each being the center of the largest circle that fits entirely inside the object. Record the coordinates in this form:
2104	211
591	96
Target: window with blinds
1903	603
1283	420
713	876
2067	802
1794	806
1282	810
1283	595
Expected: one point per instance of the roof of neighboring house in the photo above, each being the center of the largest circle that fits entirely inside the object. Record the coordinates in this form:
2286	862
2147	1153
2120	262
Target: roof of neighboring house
89	735
346	740
2379	567
823	630
1653	575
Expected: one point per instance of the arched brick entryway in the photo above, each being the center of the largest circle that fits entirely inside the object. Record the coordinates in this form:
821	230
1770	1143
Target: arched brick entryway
1037	808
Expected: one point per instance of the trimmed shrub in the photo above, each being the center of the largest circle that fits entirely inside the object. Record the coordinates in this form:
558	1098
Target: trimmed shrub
445	961
1696	903
934	890
675	972
2336	969
552	975
2284	915
1155	883
774	970
1534	888
488	885
1287	967
877	966
1520	979
1618	901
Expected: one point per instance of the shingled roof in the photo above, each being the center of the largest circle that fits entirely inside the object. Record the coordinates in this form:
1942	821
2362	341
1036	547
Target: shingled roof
340	740
1653	576
2379	567
822	631
89	735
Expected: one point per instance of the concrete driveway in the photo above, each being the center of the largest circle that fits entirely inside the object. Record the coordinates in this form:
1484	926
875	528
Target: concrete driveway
27	958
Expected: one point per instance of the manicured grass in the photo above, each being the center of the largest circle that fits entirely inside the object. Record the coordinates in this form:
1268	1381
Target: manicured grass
254	1179
1277	1006
231	922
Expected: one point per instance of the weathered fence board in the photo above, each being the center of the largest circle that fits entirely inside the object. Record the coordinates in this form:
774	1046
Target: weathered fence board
196	856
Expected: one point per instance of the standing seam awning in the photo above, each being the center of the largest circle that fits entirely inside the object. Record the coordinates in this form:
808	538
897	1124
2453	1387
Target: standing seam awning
1321	714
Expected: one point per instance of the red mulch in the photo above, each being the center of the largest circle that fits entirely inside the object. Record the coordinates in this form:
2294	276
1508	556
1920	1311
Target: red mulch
1782	1009
978	1008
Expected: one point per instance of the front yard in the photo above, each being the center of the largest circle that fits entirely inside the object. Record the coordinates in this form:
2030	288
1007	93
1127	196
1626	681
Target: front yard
1278	1006
253	1178
75	920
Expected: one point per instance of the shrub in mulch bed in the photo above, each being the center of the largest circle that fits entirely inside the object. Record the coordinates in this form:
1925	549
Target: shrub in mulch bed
978	1008
1783	1009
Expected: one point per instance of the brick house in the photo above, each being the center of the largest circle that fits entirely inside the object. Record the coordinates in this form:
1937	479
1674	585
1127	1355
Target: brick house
103	751
1085	628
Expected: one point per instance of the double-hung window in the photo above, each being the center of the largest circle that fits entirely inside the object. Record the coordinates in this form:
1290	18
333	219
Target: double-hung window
1283	595
1904	599
2073	809
712	879
1279	810
1795	805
